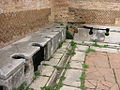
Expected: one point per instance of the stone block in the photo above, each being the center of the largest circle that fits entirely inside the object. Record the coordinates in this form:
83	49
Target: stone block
73	77
79	56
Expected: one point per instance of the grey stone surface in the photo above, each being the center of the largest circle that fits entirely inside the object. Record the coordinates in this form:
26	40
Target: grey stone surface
98	35
79	56
72	77
47	70
110	50
39	82
65	45
76	64
69	88
61	50
82	48
52	62
57	55
26	48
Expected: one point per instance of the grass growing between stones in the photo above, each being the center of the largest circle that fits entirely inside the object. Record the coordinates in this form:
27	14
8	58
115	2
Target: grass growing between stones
71	51
57	86
69	35
101	46
45	64
83	77
62	67
85	66
60	44
90	50
23	87
37	74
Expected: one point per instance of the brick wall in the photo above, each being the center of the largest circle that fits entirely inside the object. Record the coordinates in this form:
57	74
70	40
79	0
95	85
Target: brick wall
101	17
19	18
20	5
103	12
16	24
60	10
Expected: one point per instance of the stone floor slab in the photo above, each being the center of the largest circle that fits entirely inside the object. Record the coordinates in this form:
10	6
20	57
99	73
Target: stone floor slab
47	70
109	50
57	56
76	64
97	59
114	60
39	82
72	77
102	73
52	62
79	56
81	48
69	88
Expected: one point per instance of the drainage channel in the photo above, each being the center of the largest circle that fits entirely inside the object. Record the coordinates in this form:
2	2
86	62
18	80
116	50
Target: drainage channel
55	78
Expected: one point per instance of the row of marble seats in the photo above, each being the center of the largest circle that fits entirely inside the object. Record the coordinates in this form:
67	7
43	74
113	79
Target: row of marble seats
18	59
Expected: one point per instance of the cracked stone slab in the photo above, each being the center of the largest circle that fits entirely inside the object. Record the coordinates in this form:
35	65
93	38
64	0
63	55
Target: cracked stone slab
39	82
81	48
97	59
69	88
103	72
73	77
76	64
110	50
114	60
47	70
79	56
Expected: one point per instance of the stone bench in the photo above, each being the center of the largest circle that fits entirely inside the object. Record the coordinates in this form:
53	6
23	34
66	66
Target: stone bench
20	59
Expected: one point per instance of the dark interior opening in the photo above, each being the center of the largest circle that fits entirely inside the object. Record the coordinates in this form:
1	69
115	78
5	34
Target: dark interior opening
26	69
18	56
37	58
1	87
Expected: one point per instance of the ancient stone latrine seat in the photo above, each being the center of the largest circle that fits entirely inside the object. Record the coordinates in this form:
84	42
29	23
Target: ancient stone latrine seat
20	59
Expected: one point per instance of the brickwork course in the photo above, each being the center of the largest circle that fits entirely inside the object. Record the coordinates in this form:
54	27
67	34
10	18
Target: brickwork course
19	18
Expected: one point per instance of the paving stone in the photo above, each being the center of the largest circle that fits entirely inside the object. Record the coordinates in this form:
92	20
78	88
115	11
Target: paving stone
97	59
47	70
61	50
52	62
117	74
73	77
114	60
100	74
65	45
81	48
113	37
79	56
57	56
110	50
39	82
88	42
76	64
91	84
109	44
69	88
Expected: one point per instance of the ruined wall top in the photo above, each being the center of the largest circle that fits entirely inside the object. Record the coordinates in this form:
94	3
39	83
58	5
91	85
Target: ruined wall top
20	5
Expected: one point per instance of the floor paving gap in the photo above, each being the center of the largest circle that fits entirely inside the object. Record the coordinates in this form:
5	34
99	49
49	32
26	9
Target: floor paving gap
108	59
116	79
